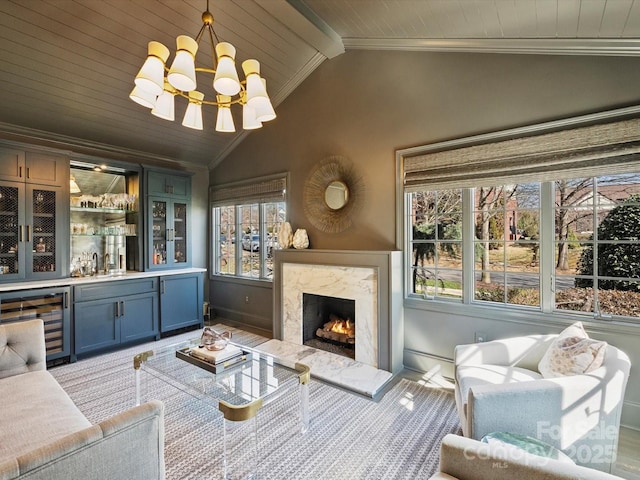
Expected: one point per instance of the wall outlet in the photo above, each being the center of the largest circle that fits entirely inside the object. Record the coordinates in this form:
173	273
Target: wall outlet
481	337
246	299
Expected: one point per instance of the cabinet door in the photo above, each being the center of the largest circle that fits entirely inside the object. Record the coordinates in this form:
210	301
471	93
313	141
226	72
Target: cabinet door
138	317
179	234
45	169
159	183
169	242
46	232
158	245
12	231
96	325
180	301
12	166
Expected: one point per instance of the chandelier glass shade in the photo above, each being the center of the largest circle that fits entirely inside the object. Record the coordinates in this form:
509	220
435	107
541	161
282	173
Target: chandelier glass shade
157	85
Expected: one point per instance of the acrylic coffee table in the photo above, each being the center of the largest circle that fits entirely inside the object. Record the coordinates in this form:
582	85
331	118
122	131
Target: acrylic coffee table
239	391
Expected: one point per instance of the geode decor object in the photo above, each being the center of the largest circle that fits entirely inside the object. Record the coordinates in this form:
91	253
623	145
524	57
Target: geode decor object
300	239
285	236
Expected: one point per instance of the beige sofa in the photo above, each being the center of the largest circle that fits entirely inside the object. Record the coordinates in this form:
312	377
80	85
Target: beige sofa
43	435
467	459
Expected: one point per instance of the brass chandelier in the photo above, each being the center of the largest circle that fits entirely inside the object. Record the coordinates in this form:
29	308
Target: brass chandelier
157	91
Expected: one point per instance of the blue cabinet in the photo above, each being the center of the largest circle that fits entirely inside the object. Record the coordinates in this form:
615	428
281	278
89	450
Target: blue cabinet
96	325
112	313
168	220
168	183
181	301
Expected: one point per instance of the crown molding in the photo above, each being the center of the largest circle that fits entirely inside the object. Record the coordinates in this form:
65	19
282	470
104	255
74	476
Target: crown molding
80	148
537	46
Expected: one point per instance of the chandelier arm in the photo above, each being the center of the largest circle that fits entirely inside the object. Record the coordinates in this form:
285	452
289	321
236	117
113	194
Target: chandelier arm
214	61
212	35
212	71
199	36
209	102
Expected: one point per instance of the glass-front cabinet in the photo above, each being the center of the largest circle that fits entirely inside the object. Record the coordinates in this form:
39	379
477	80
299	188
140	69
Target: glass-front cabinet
168	220
104	220
169	224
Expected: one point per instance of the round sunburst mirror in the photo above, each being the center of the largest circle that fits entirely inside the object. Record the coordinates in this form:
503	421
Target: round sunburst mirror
332	194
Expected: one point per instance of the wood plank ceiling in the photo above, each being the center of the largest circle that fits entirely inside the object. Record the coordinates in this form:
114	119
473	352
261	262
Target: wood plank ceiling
67	66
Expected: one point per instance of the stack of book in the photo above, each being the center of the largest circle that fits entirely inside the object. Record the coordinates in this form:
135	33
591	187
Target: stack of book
229	355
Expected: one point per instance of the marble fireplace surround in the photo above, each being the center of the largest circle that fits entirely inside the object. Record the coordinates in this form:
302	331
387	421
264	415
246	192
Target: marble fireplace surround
373	280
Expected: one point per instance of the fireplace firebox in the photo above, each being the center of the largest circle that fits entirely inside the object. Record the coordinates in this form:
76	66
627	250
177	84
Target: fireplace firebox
329	324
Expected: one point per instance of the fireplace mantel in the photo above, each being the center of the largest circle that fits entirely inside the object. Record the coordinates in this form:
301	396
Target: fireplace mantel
388	333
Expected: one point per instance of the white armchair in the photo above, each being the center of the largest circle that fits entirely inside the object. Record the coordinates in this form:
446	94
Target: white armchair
499	389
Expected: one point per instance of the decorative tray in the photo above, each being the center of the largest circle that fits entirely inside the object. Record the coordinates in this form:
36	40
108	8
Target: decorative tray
242	359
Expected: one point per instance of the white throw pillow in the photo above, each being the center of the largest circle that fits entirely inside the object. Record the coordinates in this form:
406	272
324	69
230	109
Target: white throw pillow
572	353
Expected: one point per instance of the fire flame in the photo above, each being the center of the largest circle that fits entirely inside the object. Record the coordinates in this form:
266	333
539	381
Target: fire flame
342	326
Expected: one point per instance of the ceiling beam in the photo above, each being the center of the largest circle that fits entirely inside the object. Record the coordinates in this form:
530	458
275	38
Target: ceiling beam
539	46
300	19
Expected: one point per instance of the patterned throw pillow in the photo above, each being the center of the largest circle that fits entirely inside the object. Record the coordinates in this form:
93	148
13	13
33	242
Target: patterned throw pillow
572	353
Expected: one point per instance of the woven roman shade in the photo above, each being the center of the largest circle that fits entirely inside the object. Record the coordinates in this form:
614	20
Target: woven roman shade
264	189
586	151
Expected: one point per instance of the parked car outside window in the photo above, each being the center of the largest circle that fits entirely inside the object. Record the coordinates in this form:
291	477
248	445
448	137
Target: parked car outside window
251	242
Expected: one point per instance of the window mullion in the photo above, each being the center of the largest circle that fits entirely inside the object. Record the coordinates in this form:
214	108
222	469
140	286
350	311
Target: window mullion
262	221
468	236
215	220
408	245
238	249
547	246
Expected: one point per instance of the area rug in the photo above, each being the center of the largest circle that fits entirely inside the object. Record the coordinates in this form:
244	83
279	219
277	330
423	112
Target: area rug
350	437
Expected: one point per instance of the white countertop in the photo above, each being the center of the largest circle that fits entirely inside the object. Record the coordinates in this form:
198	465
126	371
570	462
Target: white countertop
70	281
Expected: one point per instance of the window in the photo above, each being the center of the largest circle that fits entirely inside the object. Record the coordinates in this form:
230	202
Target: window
245	232
559	232
506	244
596	245
436	269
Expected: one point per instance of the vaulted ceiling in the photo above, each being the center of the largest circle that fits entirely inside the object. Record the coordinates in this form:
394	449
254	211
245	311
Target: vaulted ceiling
67	66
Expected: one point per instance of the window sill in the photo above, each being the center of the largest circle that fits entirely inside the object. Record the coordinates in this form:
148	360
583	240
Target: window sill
523	316
241	280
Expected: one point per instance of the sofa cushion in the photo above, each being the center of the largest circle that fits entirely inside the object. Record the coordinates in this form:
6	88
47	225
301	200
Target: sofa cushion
572	353
469	376
35	412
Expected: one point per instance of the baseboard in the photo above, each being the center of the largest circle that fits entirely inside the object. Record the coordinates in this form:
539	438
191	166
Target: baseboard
242	326
250	323
631	415
425	362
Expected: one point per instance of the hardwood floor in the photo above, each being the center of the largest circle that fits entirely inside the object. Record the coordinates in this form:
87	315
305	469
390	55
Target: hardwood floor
628	460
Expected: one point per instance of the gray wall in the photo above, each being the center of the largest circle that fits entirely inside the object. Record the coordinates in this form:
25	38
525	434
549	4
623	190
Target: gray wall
199	217
365	105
